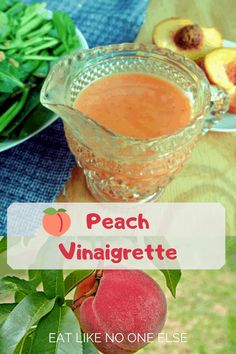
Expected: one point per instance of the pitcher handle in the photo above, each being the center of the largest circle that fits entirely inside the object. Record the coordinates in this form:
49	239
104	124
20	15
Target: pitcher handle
219	106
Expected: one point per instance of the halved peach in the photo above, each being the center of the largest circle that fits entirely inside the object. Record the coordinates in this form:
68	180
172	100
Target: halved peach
220	67
183	36
232	104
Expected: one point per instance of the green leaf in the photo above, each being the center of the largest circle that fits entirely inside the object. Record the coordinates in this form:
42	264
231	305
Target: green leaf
12	284
5	4
19	296
3	98
28	312
66	31
53	283
35	120
172	279
61	210
42	70
89	348
31	11
8	116
4	25
27	68
34	277
50	211
59	321
29	107
16	11
69	302
25	346
9	77
75	278
3	244
5	309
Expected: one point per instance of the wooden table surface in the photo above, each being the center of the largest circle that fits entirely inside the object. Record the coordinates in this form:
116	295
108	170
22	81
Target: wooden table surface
210	173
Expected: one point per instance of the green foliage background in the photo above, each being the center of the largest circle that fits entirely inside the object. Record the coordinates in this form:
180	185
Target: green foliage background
204	308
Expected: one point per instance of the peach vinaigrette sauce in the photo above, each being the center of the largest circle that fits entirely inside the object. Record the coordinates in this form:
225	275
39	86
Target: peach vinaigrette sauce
132	114
135	105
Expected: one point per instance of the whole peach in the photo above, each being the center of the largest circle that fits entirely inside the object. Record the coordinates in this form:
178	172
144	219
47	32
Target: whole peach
128	303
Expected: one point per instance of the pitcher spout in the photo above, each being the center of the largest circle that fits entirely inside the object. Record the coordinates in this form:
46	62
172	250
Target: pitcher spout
56	90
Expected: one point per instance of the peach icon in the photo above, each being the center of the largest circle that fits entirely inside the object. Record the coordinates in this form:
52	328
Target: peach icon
56	222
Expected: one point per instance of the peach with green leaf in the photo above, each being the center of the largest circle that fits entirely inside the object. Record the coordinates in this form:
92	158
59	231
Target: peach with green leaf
56	222
127	302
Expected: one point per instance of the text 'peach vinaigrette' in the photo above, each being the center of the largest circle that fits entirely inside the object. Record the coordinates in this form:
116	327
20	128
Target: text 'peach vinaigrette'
135	105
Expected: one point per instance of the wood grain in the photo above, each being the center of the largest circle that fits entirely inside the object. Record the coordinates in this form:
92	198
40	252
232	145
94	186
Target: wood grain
210	174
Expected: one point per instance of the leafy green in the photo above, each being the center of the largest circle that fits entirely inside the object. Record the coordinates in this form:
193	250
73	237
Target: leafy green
42	70
5	309
16	11
4	25
28	312
74	278
5	4
39	117
12	284
19	296
60	321
27	111
89	348
31	40
25	346
12	112
9	77
172	279
34	277
32	24
65	30
53	283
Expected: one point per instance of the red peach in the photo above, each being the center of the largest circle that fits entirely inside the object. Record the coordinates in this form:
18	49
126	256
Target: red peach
126	302
86	288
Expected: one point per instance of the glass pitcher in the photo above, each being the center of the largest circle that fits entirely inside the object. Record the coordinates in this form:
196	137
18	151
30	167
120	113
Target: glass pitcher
120	168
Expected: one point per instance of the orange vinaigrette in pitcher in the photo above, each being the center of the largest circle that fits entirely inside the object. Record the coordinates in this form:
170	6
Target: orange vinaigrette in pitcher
132	114
135	105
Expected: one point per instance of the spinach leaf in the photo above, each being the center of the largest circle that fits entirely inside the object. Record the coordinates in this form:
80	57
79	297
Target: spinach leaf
66	30
34	121
9	77
4	25
30	42
5	4
31	104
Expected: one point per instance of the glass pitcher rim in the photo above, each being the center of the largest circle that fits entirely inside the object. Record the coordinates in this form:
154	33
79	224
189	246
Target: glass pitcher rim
149	49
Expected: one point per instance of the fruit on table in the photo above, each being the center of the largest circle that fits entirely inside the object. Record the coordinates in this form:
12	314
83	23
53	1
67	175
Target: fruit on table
186	38
128	302
56	222
232	104
220	67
